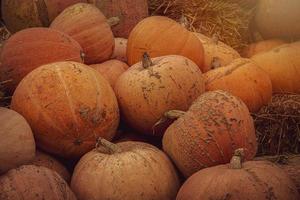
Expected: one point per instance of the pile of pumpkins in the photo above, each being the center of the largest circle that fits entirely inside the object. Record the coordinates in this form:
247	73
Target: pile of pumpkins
74	82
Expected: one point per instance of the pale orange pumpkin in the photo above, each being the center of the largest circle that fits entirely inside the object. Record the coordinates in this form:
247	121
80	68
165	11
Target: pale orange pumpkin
120	50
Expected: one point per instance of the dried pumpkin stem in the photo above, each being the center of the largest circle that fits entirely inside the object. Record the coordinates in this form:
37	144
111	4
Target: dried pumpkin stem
237	159
113	21
104	146
146	60
174	114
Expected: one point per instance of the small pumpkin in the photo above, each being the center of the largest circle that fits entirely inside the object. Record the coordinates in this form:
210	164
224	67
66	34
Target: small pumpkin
151	87
261	46
111	70
33	47
283	66
244	79
260	180
131	170
161	36
17	144
207	134
89	27
34	183
68	106
120	50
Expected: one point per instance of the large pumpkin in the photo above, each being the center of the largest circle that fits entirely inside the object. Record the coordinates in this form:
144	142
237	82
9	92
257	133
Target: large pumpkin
34	183
68	105
160	36
216	53
17	144
30	48
244	79
150	88
21	14
207	134
125	171
259	180
283	66
89	27
278	19
129	13
120	49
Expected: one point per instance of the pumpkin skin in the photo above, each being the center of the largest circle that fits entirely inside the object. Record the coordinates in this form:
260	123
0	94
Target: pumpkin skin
244	79
161	36
129	13
111	70
261	46
278	19
256	180
17	144
120	50
68	105
216	49
31	48
215	125
34	183
283	66
173	82
137	171
21	14
88	26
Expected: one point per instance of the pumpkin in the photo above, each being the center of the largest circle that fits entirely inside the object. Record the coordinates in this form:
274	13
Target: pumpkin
150	88
216	53
258	180
120	50
131	170
278	19
244	79
129	13
17	144
283	66
21	14
111	70
161	36
89	27
261	46
207	134
34	183
30	48
68	106
45	160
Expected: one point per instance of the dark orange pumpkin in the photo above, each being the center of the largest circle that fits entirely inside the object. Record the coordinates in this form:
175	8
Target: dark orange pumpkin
30	48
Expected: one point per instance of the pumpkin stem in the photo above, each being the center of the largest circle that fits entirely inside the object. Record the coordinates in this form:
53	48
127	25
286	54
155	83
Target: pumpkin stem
113	21
237	159
183	21
104	146
215	38
146	61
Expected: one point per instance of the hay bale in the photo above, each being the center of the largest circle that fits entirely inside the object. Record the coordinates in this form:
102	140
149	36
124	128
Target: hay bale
278	125
227	19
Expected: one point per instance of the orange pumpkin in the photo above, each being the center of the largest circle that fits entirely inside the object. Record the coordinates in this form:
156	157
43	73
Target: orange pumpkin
150	88
120	50
88	26
207	134
244	79
68	106
111	70
30	48
160	36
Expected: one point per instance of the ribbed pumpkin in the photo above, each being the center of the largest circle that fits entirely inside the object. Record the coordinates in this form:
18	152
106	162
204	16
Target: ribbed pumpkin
17	144
216	53
150	88
244	79
34	183
30	48
68	106
207	134
125	171
283	66
21	14
120	49
111	70
261	46
129	13
89	27
260	180
160	36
